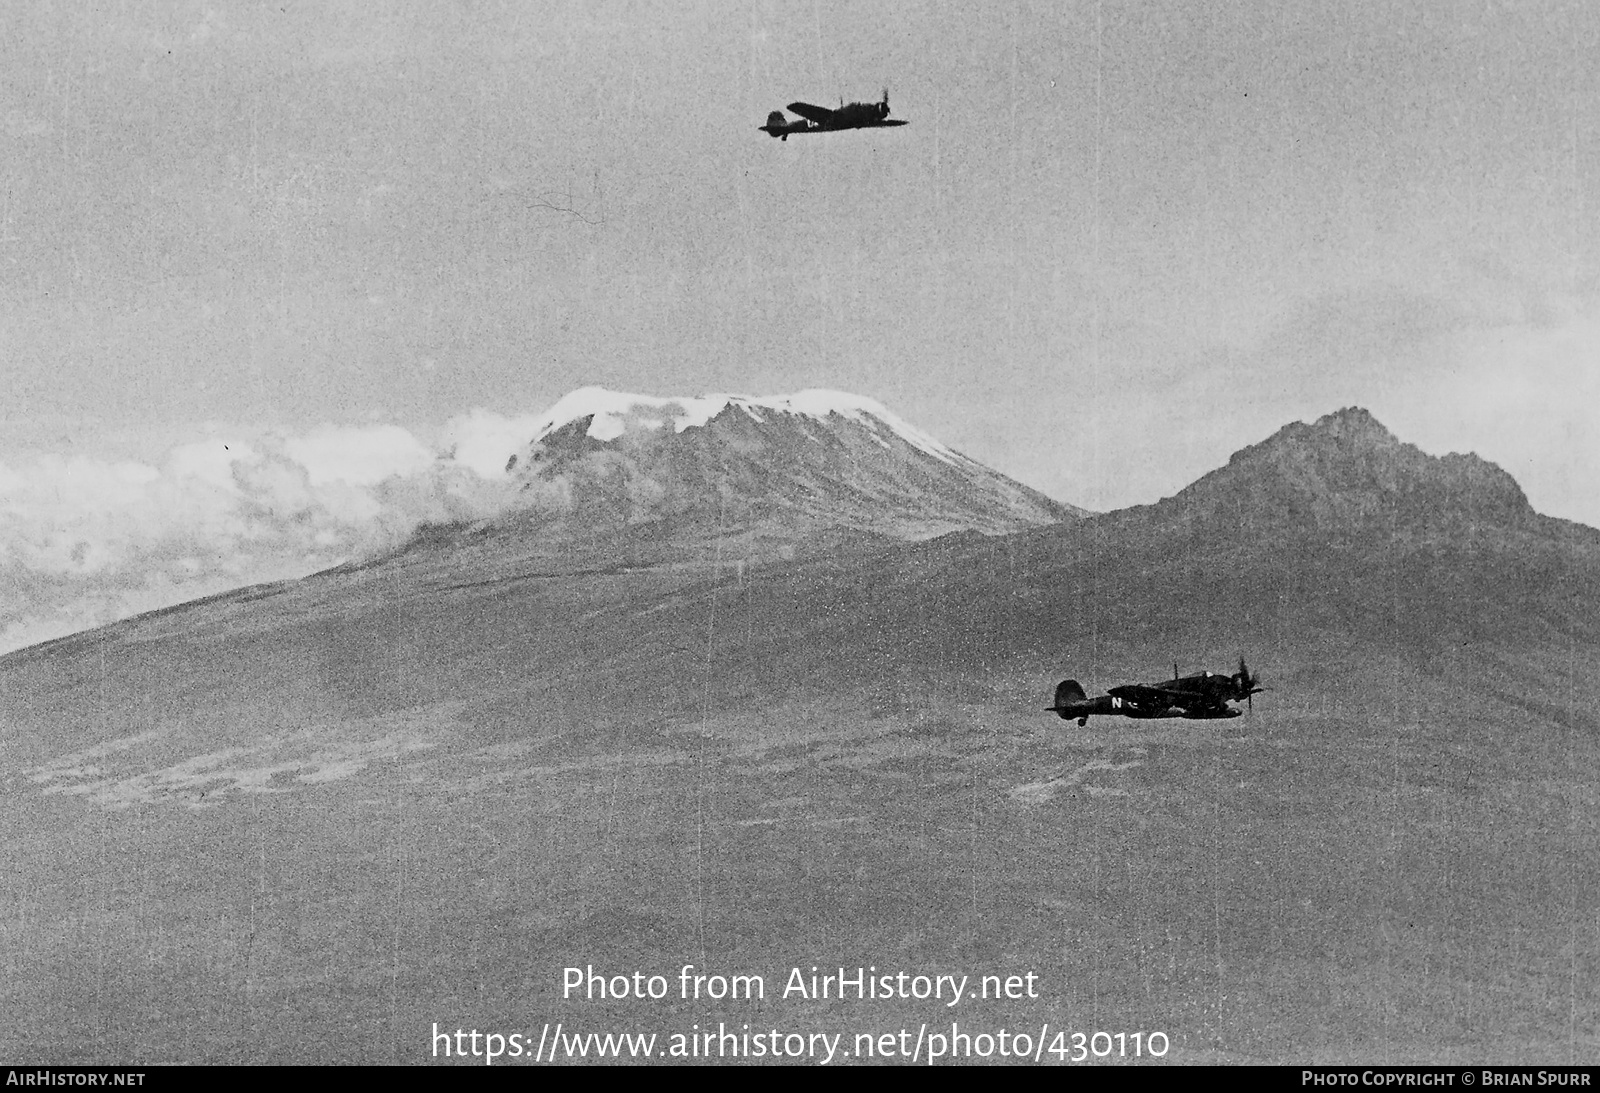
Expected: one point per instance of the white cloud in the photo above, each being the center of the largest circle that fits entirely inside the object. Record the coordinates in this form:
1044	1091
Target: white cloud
359	456
483	441
210	462
85	541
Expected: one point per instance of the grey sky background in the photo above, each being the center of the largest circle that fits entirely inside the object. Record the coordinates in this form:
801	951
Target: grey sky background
1117	242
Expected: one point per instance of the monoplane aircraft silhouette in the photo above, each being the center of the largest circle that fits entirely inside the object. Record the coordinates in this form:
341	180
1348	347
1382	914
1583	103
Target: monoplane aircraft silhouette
1201	697
819	119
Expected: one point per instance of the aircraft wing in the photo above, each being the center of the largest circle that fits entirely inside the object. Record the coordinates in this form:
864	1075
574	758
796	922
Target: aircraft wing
818	114
1214	705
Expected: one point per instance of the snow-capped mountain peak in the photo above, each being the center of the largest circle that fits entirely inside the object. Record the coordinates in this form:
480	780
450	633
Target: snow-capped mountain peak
784	468
612	413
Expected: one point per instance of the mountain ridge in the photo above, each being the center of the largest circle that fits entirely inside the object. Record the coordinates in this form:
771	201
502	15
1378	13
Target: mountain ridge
764	477
1342	483
1345	477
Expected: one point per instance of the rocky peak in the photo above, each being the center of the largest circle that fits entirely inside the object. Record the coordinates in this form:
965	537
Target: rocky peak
1354	425
1348	470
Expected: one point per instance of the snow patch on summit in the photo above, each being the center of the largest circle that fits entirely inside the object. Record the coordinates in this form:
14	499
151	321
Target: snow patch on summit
611	413
820	403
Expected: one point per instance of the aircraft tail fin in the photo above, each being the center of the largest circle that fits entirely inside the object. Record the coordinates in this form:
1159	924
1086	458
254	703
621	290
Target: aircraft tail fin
776	123
1068	691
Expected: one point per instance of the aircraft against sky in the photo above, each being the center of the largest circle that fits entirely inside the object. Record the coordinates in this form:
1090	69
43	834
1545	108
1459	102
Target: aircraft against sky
1203	697
819	119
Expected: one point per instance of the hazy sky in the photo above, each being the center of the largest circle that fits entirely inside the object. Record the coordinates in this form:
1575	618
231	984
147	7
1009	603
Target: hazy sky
1117	241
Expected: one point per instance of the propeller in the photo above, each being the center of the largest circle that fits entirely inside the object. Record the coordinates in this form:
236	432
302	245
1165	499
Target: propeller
1245	684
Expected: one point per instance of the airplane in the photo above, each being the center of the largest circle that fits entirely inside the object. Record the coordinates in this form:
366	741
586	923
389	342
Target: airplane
1198	697
819	119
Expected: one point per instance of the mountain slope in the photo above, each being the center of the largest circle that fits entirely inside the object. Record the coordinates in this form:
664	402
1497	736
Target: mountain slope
416	792
1328	539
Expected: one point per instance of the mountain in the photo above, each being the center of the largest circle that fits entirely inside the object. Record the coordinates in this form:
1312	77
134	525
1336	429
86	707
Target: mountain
654	480
1347	471
1330	546
414	793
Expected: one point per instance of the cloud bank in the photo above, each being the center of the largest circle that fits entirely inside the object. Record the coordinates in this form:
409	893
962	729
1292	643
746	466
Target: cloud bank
86	541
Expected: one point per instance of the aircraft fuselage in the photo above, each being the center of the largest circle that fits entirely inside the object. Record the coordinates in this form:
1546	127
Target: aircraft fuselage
820	119
1144	703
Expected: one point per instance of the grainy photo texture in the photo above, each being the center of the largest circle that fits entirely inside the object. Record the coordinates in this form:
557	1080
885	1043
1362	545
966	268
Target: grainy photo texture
820	533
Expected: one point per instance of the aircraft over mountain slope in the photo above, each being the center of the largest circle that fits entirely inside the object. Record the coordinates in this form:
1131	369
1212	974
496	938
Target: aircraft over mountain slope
460	768
1200	697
